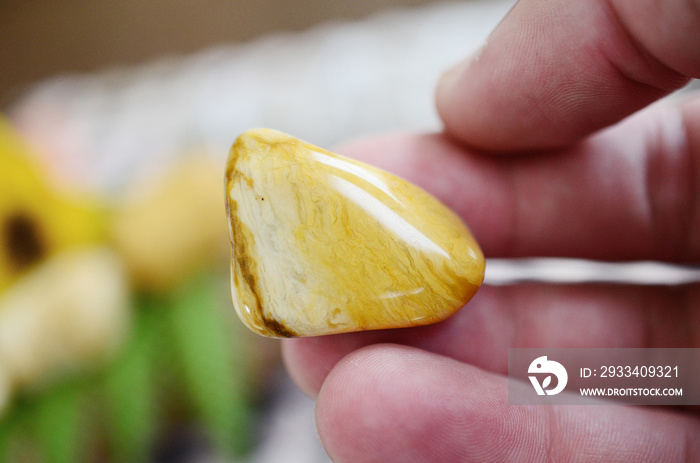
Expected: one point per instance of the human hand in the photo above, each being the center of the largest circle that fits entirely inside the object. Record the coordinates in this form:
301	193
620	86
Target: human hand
524	161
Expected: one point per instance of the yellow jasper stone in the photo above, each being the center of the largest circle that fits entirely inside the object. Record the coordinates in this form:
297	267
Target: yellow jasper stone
324	244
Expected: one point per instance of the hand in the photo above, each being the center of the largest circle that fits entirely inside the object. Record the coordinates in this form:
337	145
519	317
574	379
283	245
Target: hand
524	161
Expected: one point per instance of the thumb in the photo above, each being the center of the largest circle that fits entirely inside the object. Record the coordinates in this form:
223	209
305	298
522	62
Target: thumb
555	71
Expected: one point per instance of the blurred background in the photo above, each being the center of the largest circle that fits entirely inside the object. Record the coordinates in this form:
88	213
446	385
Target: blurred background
118	341
42	38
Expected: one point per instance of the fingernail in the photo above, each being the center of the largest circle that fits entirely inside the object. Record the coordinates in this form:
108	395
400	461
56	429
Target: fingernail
450	79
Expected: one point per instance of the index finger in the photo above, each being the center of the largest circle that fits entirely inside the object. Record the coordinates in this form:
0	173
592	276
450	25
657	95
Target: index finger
555	71
627	193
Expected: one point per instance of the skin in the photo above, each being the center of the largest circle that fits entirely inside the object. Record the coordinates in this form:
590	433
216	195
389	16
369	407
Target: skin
535	159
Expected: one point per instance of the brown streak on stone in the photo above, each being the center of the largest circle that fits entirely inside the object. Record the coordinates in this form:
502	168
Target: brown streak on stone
232	173
279	329
239	243
247	268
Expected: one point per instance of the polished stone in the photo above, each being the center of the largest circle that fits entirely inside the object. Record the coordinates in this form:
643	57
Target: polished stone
324	244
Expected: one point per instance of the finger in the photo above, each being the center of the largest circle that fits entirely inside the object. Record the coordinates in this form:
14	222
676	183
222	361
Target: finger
390	403
512	213
555	71
628	193
528	315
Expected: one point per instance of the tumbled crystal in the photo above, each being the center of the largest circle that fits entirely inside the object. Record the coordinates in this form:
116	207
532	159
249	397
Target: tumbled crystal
324	244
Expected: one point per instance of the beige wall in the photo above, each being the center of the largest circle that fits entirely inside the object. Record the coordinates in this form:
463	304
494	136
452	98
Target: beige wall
40	38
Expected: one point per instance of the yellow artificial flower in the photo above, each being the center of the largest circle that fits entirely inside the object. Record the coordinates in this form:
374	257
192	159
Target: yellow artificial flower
67	313
172	225
36	221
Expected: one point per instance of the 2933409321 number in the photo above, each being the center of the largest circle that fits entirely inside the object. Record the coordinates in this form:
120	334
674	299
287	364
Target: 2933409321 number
643	371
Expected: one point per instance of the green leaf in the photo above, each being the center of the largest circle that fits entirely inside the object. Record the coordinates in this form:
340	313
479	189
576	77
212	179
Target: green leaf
5	438
15	431
129	389
56	422
214	370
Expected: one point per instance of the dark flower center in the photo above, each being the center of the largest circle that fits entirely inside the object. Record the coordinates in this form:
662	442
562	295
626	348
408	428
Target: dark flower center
22	240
